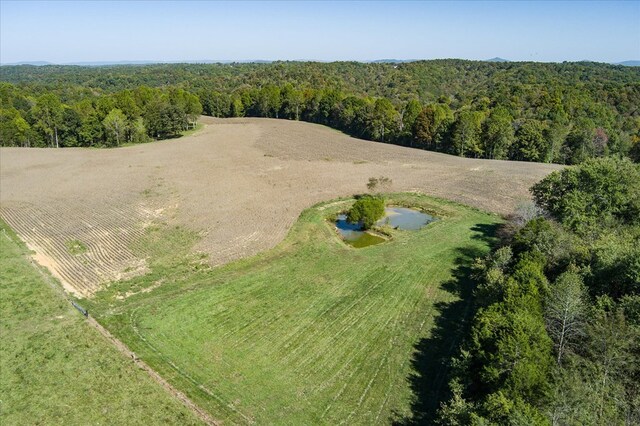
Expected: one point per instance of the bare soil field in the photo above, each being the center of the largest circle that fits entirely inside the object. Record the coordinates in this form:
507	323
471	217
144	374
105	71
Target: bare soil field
240	183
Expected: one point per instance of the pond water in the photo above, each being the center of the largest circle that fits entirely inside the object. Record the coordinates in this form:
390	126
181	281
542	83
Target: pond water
396	217
405	219
353	234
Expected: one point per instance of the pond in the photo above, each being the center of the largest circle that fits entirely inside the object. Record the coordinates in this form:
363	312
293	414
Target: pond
405	219
353	234
396	217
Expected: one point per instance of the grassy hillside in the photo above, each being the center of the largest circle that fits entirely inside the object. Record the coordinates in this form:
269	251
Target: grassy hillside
311	332
55	369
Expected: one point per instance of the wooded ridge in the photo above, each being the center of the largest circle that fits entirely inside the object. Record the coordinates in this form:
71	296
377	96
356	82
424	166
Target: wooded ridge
547	112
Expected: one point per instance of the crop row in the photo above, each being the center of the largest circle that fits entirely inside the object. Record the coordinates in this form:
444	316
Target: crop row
103	236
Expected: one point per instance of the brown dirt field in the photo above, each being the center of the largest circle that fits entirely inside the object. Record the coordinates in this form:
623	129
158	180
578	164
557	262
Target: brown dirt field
240	182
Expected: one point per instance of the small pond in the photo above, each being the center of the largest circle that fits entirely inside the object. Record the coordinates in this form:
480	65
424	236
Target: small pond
405	219
353	234
396	217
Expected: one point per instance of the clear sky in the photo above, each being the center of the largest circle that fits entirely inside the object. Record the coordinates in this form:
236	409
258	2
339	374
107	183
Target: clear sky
165	31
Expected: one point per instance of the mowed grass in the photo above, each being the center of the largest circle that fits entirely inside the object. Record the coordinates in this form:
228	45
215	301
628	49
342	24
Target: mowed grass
57	370
310	332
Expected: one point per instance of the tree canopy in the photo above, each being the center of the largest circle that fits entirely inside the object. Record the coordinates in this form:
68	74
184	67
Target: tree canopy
555	337
563	113
367	210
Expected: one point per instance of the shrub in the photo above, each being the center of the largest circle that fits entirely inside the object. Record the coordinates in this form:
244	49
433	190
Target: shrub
381	184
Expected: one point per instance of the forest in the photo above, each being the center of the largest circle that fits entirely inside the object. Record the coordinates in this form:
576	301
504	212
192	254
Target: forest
555	338
546	112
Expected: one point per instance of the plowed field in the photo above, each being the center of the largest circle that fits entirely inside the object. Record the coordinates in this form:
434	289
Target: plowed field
241	183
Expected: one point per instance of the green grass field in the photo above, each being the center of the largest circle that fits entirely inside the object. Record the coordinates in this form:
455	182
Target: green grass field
57	370
310	332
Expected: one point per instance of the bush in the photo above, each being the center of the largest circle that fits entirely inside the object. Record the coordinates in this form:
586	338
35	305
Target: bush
366	211
381	184
593	194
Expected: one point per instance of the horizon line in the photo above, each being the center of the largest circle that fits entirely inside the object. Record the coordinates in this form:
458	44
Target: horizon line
250	61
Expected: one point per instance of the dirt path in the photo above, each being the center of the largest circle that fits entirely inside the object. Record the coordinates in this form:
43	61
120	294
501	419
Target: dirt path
203	415
241	183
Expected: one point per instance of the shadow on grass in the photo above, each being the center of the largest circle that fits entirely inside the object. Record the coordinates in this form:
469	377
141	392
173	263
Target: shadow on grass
431	360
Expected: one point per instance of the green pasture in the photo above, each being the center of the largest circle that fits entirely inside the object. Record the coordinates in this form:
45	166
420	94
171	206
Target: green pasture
57	370
312	331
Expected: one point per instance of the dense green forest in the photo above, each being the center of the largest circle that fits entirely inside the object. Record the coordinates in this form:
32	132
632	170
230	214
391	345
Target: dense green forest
40	118
556	334
562	113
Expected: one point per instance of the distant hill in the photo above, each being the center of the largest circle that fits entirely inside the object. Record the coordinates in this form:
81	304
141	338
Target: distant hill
111	63
104	63
629	63
624	63
632	63
34	63
392	61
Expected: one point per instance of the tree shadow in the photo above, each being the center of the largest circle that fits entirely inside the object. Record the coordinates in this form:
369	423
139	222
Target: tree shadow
431	360
487	232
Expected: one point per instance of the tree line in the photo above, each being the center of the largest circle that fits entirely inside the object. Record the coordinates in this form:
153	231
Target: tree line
30	119
555	338
480	129
561	113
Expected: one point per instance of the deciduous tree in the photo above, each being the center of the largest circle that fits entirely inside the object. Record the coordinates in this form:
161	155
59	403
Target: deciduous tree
565	312
47	113
498	133
115	124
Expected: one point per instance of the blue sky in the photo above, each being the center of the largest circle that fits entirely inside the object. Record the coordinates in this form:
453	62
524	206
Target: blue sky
165	31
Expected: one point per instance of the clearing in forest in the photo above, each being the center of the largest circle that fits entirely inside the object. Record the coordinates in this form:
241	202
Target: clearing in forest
239	183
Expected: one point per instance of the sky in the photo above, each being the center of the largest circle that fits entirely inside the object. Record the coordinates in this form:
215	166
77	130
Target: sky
547	31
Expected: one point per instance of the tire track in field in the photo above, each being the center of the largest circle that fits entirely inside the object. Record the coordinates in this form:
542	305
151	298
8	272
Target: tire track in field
202	414
181	372
104	238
